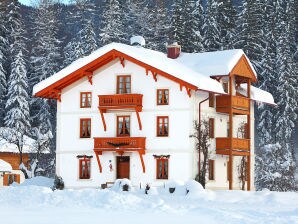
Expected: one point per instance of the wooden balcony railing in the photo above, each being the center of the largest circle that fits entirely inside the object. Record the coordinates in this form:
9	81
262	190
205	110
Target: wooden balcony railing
120	100
239	104
238	143
123	143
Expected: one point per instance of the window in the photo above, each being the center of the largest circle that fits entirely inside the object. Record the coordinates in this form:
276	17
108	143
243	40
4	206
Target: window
211	169
123	126
162	97
86	98
85	128
123	84
162	126
85	168
211	99
211	127
162	168
225	86
8	179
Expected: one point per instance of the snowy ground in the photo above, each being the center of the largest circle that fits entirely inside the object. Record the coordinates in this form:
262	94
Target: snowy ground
38	204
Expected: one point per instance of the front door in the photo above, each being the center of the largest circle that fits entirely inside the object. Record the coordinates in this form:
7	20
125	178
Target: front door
123	167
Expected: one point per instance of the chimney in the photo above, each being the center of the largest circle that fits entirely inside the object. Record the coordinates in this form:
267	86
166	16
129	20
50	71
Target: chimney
174	50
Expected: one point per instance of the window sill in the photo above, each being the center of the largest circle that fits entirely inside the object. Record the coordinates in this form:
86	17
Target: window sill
86	180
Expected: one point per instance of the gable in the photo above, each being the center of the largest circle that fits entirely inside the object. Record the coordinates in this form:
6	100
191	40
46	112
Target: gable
54	90
244	69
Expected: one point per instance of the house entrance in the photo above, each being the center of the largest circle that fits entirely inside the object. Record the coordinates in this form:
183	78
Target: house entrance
123	164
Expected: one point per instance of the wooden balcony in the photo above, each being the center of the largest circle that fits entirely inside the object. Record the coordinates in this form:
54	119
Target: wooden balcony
240	146
120	143
121	101
240	105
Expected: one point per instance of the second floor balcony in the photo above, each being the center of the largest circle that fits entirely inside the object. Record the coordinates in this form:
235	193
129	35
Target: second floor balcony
238	104
121	101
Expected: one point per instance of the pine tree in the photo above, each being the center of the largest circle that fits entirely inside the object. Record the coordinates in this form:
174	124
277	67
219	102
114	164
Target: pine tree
227	23
192	41
211	29
176	33
17	106
249	31
85	41
3	51
113	26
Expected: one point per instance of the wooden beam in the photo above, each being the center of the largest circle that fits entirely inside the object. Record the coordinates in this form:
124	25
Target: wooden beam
101	111
248	136
98	161
139	119
122	61
141	153
231	134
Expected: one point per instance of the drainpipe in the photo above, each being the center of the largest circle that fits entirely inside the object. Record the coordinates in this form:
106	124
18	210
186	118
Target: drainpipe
199	162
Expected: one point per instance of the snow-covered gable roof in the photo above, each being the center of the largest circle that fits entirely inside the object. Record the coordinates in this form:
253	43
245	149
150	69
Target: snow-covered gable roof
5	166
214	63
192	68
149	57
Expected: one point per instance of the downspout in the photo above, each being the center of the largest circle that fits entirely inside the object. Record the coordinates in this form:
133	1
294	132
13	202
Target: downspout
199	161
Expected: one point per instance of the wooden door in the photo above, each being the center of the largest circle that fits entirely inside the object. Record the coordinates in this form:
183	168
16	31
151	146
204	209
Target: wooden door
123	167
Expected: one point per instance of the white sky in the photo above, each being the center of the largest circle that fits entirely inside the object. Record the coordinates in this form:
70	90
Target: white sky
29	2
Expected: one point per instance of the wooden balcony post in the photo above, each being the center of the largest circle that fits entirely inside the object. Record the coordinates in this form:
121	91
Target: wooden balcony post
249	137
231	134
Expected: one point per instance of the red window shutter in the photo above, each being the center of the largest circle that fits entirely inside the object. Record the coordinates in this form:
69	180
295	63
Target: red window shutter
211	169
211	99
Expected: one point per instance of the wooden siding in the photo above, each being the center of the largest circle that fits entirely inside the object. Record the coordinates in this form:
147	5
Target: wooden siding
13	159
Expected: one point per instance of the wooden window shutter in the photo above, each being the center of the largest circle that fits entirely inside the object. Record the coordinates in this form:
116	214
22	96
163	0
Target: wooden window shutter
211	127
228	170
211	169
5	179
18	178
211	99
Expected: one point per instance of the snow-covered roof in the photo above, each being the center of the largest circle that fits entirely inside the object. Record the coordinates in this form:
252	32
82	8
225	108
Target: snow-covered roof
5	166
192	68
257	94
152	58
9	147
214	63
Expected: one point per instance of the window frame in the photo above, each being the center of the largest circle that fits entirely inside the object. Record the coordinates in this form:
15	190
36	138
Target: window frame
162	160
158	124
211	173
87	170
211	127
81	99
162	94
82	120
124	86
117	127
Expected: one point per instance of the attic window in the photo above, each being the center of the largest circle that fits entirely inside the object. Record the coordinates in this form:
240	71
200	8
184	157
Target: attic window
123	84
85	99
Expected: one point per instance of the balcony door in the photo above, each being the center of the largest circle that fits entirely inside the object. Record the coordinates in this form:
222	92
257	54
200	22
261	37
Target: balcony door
123	84
123	126
123	163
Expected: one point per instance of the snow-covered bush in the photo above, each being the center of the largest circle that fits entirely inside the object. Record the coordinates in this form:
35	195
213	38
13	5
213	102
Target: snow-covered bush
174	186
193	187
122	185
58	183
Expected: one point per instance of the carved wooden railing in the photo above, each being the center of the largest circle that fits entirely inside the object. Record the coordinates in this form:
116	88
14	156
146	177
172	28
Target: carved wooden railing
117	100
238	102
133	143
238	143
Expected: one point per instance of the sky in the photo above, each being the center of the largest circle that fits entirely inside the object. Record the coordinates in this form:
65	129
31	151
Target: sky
29	2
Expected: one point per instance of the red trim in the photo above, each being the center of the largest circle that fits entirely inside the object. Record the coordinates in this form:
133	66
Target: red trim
211	169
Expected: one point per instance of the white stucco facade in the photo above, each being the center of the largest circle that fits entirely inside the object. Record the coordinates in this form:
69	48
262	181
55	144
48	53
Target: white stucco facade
182	112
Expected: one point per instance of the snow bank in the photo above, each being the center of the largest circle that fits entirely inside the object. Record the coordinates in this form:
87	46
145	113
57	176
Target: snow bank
34	204
37	181
119	183
4	166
